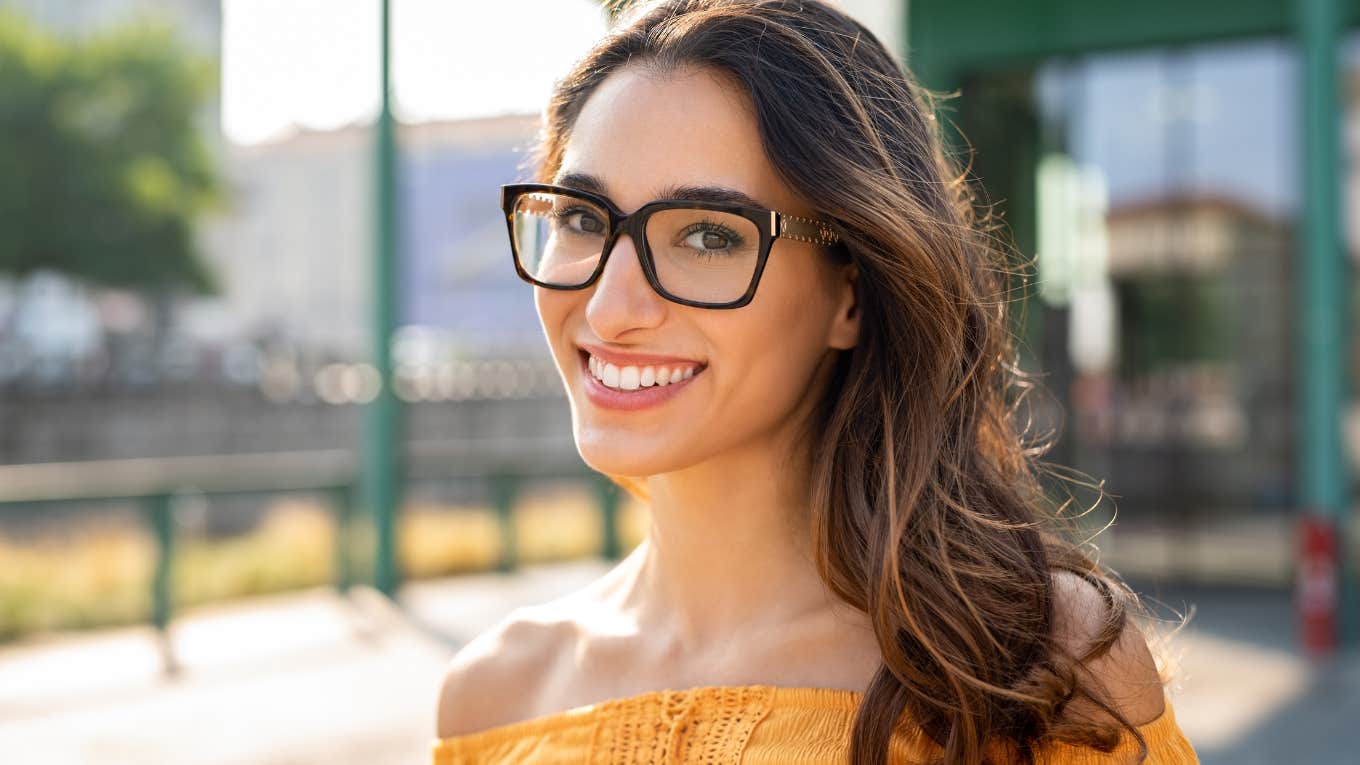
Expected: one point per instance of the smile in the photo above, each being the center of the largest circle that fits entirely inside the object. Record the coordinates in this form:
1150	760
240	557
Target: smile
634	387
636	377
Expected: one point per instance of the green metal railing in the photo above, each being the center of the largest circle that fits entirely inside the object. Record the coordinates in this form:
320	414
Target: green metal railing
154	484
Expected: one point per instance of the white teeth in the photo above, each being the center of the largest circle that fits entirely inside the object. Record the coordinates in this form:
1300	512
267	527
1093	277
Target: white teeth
634	377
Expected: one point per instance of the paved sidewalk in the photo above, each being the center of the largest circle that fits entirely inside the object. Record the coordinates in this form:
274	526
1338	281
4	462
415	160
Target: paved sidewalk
1246	695
295	679
313	677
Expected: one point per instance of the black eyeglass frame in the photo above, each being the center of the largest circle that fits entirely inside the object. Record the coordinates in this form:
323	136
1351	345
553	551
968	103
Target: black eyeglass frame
772	225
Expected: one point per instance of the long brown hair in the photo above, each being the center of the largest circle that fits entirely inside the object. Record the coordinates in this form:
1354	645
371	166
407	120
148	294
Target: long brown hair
928	505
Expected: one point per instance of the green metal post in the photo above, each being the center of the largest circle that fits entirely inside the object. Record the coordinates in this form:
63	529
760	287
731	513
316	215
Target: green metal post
1322	278
504	487
382	435
608	492
160	516
162	526
342	500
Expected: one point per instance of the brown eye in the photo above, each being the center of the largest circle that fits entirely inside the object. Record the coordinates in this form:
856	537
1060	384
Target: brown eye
709	240
579	221
591	224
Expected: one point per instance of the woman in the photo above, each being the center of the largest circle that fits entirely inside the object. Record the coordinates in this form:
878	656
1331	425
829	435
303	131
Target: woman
779	325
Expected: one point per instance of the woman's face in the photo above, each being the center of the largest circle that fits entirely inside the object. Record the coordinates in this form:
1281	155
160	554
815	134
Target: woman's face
757	368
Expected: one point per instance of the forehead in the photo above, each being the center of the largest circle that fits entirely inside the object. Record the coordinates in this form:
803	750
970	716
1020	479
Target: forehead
642	132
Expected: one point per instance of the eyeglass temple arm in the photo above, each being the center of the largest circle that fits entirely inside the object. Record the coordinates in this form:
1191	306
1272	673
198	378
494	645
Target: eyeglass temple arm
806	230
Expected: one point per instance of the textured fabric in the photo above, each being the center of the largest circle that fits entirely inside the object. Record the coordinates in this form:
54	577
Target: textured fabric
748	724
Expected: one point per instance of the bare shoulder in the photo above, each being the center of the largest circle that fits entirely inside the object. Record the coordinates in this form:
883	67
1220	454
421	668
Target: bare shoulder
494	679
514	670
1128	670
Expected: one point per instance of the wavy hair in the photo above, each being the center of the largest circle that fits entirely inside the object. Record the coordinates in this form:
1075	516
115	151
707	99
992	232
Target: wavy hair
929	512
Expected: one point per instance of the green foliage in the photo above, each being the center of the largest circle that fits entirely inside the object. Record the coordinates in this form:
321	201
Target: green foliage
103	169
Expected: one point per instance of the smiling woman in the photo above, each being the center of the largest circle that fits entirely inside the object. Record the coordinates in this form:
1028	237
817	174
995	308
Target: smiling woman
779	323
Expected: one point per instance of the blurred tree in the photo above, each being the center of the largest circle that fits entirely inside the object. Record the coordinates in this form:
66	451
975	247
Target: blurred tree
103	169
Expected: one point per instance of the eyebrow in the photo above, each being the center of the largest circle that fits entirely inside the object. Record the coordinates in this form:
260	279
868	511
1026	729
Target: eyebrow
582	181
719	194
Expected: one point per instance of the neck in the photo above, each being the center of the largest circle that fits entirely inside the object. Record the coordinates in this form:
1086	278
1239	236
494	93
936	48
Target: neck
729	549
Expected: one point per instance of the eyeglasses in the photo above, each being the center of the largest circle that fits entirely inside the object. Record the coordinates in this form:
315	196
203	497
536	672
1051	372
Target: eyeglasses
702	254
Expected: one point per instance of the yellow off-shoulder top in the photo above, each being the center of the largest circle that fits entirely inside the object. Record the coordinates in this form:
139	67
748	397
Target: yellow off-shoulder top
747	724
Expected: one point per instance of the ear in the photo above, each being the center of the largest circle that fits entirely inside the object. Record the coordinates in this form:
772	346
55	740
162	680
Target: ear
844	331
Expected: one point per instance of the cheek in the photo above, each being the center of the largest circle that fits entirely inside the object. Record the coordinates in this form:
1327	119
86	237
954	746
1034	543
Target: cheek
781	357
794	312
553	308
771	354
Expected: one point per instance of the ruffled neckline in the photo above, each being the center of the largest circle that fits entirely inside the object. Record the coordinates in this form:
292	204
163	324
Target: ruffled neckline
774	696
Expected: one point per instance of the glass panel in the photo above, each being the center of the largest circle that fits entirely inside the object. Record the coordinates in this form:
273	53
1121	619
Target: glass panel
1167	201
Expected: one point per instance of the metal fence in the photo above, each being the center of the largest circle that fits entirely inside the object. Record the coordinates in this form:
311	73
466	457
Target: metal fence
504	463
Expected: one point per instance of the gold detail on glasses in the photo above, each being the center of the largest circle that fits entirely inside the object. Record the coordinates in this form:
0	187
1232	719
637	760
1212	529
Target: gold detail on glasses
806	230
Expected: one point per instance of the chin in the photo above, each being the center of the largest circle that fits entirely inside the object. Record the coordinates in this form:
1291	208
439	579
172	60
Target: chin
614	453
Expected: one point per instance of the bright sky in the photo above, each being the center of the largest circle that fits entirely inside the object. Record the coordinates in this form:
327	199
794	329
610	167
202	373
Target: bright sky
314	63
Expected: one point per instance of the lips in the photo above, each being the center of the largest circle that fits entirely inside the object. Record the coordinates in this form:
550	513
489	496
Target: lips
632	377
663	368
620	359
622	388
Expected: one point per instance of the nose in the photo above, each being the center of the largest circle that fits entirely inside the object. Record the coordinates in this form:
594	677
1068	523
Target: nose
621	299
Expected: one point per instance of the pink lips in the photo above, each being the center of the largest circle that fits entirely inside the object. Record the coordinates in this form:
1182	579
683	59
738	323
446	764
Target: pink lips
619	359
642	398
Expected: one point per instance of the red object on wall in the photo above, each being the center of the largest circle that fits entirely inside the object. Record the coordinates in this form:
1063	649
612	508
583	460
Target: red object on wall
1316	584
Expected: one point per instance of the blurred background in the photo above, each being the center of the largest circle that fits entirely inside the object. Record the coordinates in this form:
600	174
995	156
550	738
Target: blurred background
224	222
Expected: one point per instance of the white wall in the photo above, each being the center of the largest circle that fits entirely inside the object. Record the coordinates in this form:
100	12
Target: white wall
885	18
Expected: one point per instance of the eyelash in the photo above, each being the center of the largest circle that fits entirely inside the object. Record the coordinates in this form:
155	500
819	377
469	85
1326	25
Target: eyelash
568	212
564	212
736	240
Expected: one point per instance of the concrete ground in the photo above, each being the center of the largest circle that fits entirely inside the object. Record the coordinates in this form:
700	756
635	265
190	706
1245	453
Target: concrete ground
314	677
1246	694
